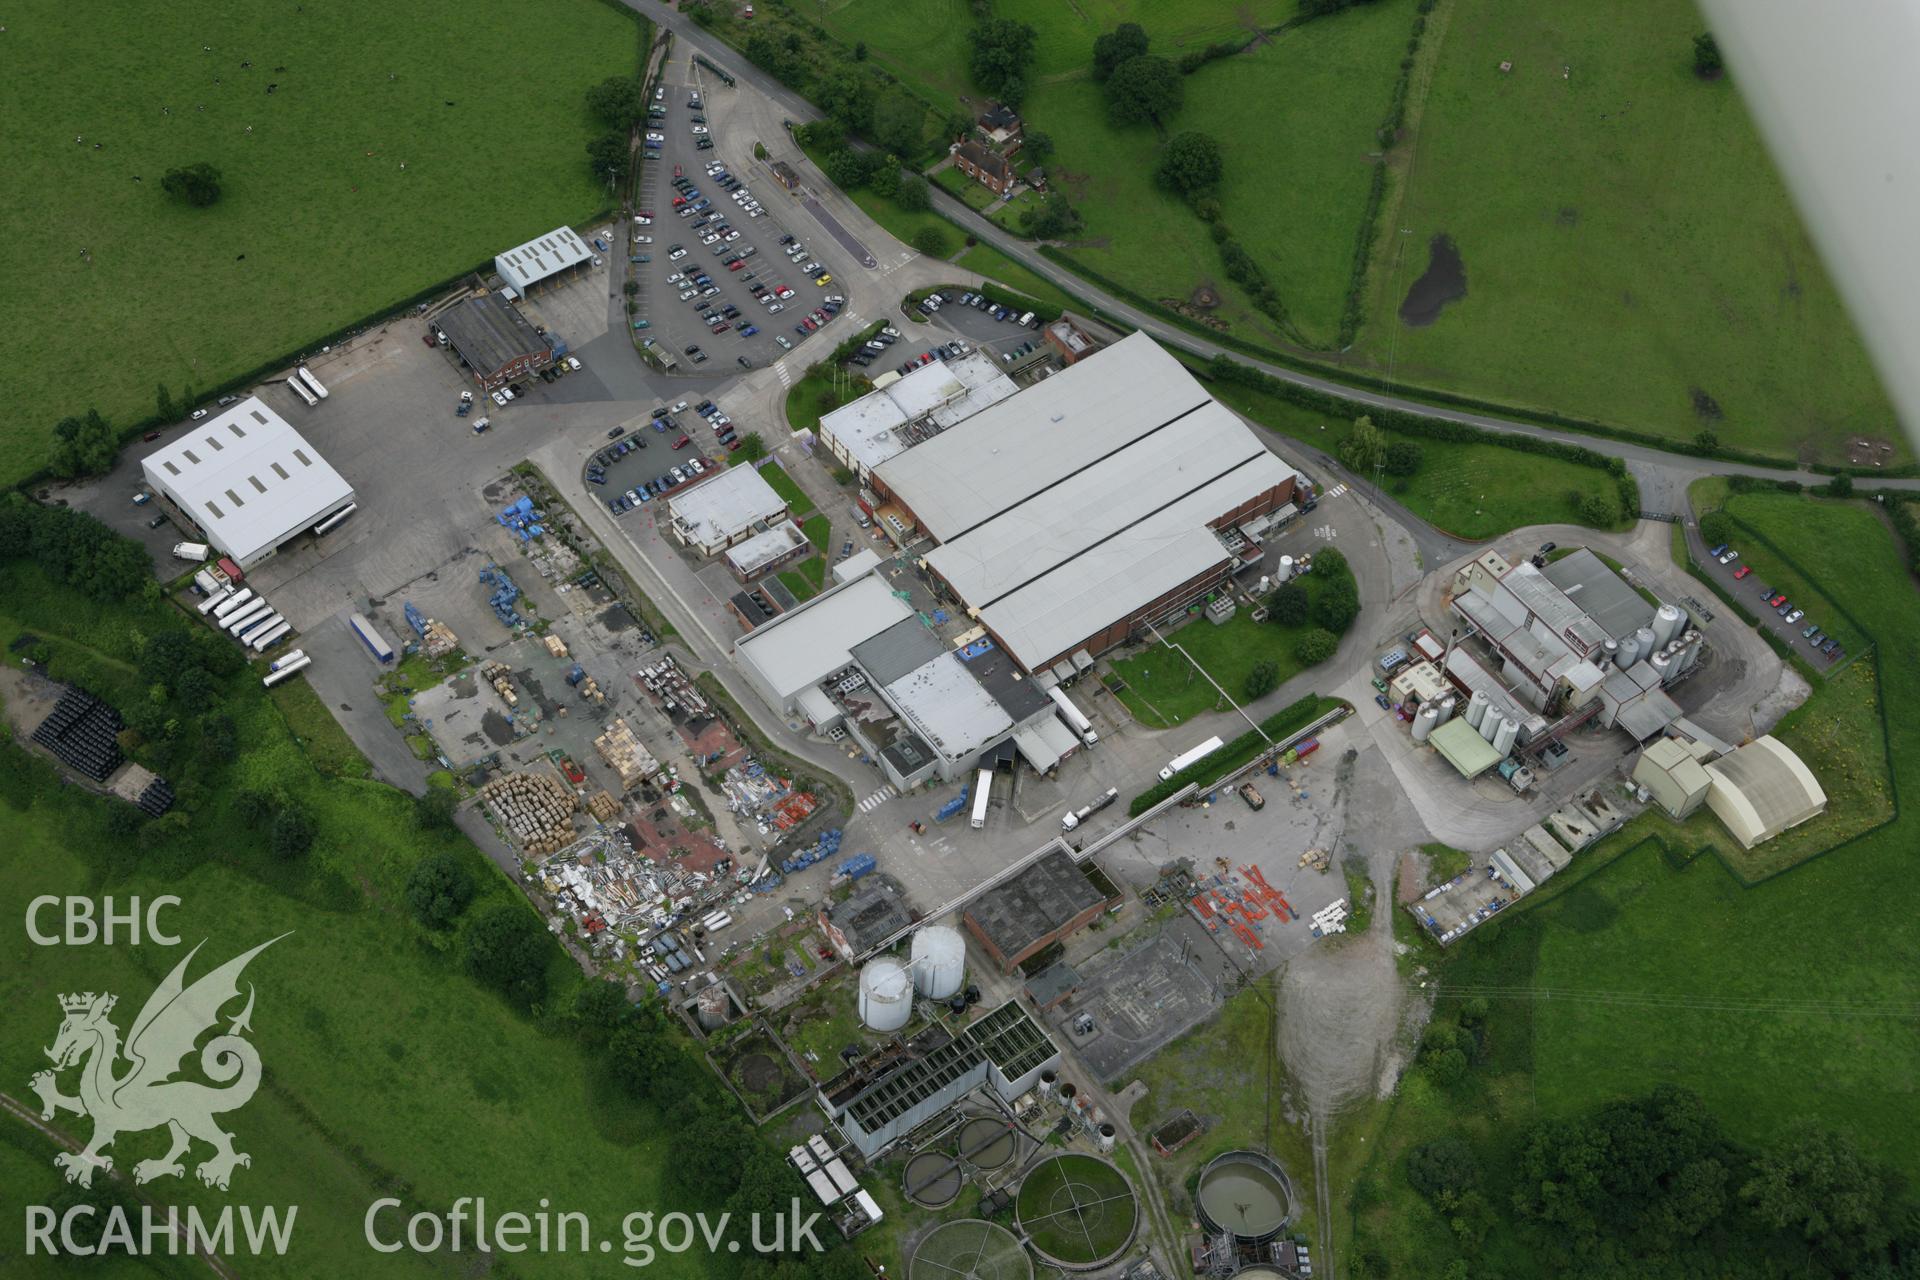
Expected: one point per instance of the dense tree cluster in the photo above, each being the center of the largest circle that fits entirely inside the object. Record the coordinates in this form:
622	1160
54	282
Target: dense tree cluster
1128	40
1336	596
620	101
439	888
1050	218
1000	51
1190	164
507	949
1145	89
610	156
84	445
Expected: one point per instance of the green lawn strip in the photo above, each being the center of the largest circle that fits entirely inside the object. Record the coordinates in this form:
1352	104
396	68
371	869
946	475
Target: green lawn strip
994	265
318	228
976	196
1277	727
1444	862
783	484
819	393
327	746
819	531
1360	897
798	583
1660	289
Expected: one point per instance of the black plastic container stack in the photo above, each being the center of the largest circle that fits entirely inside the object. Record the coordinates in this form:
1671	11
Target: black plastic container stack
157	798
82	733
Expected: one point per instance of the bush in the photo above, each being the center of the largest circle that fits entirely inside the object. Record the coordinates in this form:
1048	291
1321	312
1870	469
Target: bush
1261	681
932	242
913	194
1716	527
438	889
1443	1170
1190	165
1316	646
293	833
1601	510
1289	605
507	949
1403	458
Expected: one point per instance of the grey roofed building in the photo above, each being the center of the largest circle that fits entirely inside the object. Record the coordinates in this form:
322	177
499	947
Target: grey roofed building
867	917
900	1086
494	338
541	257
247	481
1762	789
1021	697
799	649
901	648
888	421
1018	917
1087	498
732	506
1587	582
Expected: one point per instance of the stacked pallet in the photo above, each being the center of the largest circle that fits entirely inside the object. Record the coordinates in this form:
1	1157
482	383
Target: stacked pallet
536	807
438	640
625	756
603	806
556	646
500	676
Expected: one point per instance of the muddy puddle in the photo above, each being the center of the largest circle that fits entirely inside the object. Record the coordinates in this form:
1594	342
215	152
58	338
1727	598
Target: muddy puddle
1444	281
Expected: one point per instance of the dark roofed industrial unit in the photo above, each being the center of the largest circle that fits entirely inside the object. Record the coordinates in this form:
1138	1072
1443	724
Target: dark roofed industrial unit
904	647
1000	676
495	340
1048	901
873	914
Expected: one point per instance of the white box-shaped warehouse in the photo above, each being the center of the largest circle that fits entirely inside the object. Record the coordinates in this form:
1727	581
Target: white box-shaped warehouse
247	481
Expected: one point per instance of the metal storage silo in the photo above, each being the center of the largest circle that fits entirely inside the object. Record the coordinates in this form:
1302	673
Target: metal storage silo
1490	723
1689	649
711	1008
1503	740
886	995
1610	653
1477	708
1425	722
1668	622
1662	666
939	962
1629	650
1644	644
1447	705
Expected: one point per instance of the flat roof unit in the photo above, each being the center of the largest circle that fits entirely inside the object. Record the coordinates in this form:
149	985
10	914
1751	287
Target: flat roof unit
947	707
716	512
1461	746
804	646
1013	915
902	647
874	428
751	557
248	480
540	257
865	560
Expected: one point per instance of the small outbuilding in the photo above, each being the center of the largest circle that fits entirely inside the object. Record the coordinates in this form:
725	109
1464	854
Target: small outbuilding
1461	745
1677	780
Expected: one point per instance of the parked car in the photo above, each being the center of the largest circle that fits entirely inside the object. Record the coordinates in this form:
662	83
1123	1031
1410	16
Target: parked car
1742	571
1380	700
683	442
1811	631
1730	557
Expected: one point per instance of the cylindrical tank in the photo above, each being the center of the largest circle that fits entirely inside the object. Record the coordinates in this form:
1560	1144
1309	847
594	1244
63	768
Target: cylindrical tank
1477	707
1662	666
886	994
1644	643
1629	651
1490	723
939	961
1689	649
1266	585
1068	1092
1049	1079
1425	722
1610	653
711	1008
1503	740
1668	622
1104	1137
1447	705
1286	568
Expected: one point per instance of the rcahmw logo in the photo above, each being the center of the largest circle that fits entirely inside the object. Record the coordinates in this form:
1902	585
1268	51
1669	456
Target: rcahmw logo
126	1088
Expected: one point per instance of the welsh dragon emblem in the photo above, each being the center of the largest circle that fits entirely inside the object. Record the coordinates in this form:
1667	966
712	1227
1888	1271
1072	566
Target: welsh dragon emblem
144	1094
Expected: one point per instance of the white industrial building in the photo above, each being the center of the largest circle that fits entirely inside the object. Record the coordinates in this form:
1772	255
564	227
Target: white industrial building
247	482
786	659
731	507
1763	789
782	544
1107	496
541	258
911	409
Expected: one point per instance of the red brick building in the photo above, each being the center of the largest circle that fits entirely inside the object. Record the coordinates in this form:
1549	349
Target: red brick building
987	167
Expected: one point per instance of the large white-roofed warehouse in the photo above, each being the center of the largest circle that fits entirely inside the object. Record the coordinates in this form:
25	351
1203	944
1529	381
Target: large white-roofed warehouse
1762	789
248	482
1091	502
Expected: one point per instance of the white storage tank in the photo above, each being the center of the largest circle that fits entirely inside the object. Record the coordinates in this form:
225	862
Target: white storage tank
1668	622
939	962
1503	740
1490	723
1662	666
1425	722
1644	644
1610	653
1629	650
886	995
1477	707
1447	706
1286	568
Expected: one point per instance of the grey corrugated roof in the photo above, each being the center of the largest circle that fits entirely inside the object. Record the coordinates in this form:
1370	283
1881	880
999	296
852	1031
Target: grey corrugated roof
489	333
1033	903
541	257
1600	592
947	707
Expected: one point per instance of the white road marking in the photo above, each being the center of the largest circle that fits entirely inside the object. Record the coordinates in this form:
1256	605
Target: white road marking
878	798
1336	491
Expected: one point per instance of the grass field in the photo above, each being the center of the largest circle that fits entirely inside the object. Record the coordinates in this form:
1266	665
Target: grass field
783	484
318	226
1164	690
1625	239
1474	491
1662	975
388	1070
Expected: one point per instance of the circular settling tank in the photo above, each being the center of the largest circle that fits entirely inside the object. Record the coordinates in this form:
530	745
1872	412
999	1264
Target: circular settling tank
987	1143
970	1249
932	1180
1077	1211
1247	1194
